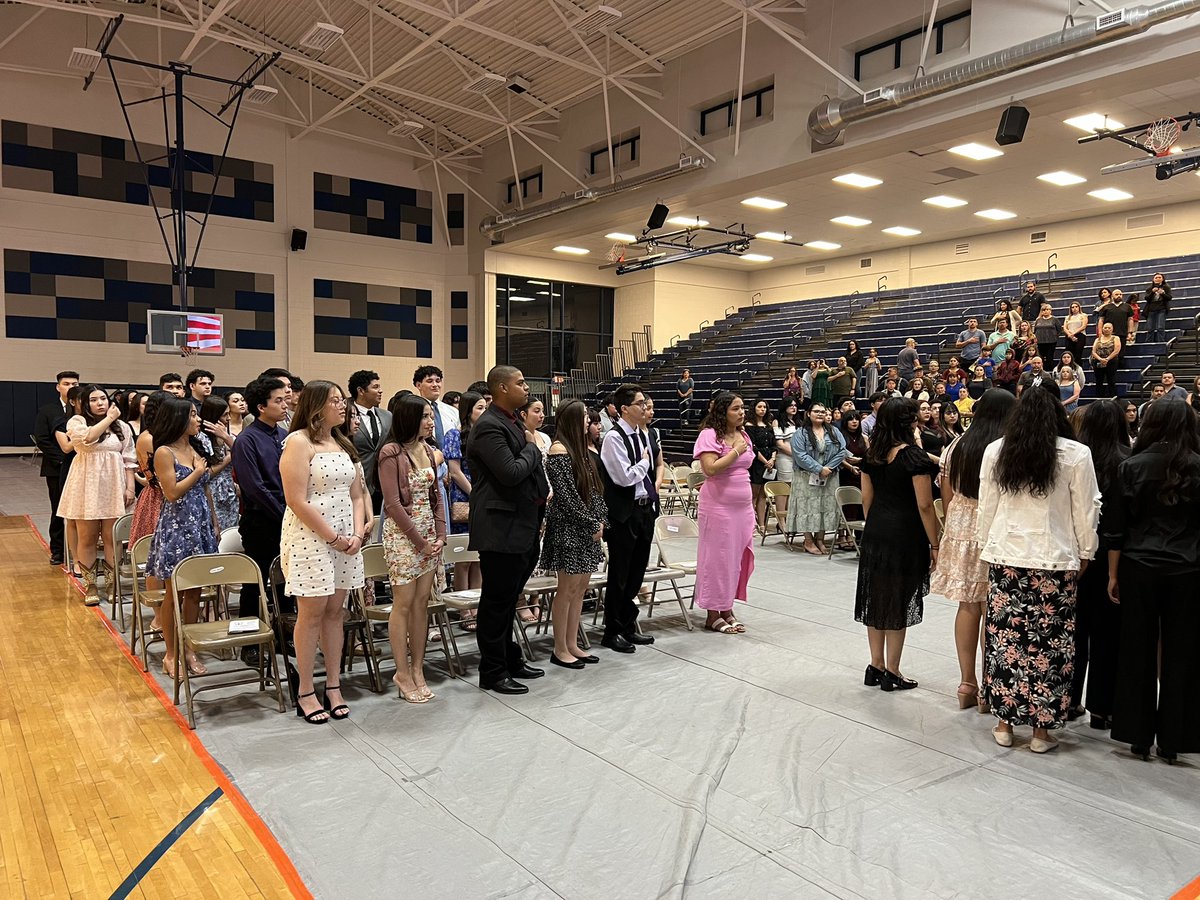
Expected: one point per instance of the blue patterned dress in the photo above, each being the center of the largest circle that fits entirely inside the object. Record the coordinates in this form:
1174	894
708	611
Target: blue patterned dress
452	449
224	493
185	528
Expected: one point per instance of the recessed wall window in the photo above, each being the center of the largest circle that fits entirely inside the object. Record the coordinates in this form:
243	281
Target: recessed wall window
528	187
758	106
626	151
545	327
950	32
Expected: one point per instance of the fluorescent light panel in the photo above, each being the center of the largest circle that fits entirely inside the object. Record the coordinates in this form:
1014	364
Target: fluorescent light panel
763	203
976	151
1110	194
321	36
996	215
902	231
774	236
84	59
852	221
853	179
756	257
521	299
945	202
574	251
1062	179
1092	122
531	281
620	236
687	222
823	245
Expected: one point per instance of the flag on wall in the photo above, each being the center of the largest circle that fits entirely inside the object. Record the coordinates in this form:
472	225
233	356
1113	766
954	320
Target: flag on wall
204	332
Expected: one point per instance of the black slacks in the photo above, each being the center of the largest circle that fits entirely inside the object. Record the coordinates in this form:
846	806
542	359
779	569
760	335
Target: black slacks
54	489
1155	697
260	540
504	574
629	544
1097	631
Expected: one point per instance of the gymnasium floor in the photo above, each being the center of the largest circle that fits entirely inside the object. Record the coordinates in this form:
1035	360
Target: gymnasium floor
704	766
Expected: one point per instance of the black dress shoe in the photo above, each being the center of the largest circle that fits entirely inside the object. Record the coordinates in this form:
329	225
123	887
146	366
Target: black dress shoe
1075	712
589	659
634	638
56	560
505	685
527	672
1100	723
250	656
892	682
1166	755
574	664
618	643
872	676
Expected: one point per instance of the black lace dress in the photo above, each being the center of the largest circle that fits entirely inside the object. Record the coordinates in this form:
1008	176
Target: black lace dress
570	522
893	573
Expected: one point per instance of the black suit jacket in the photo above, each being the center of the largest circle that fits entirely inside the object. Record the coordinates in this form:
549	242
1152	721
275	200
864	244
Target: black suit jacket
508	485
44	424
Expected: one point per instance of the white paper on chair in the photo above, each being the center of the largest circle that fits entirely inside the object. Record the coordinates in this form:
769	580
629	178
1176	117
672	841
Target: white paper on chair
243	626
673	529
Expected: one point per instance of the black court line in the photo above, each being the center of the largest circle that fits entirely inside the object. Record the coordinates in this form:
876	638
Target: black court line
142	869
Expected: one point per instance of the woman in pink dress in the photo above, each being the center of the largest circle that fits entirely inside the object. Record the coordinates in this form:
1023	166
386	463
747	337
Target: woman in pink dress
726	515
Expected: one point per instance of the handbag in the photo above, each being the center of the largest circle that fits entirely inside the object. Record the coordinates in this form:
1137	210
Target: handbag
460	512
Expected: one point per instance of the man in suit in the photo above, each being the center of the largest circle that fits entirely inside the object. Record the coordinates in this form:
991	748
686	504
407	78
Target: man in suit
508	501
374	426
627	469
48	418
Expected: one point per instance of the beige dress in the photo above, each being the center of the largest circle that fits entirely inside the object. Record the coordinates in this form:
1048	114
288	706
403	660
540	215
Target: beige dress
961	576
95	486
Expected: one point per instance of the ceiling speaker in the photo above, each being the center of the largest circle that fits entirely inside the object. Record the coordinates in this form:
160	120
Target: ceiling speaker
1012	126
658	217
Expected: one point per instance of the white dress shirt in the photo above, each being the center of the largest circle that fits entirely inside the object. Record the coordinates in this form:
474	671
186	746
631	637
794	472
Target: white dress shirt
615	458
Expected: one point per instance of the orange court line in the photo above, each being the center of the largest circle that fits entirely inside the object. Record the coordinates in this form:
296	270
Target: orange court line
1189	891
282	861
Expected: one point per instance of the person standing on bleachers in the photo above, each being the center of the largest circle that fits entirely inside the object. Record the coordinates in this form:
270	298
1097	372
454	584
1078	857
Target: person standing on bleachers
48	418
686	389
1119	314
1106	359
969	343
1031	301
906	362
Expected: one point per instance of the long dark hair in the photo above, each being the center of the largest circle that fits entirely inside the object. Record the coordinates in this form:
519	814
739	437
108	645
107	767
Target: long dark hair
717	416
768	418
85	406
407	412
308	413
991	415
571	425
172	422
1171	424
153	402
783	418
466	403
1030	458
1102	430
893	425
947	432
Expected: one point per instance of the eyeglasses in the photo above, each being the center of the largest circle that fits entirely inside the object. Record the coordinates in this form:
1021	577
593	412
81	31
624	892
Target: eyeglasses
641	403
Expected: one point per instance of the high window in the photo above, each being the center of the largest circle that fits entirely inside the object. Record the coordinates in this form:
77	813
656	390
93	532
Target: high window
758	105
545	326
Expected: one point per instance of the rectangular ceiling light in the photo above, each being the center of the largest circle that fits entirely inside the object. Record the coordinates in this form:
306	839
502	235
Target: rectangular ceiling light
686	222
902	231
823	245
321	36
1110	194
774	236
521	299
260	94
620	236
574	251
853	221
404	129
599	19
486	83
84	59
944	202
853	179
1062	179
996	214
976	151
756	257
1093	122
763	203
532	281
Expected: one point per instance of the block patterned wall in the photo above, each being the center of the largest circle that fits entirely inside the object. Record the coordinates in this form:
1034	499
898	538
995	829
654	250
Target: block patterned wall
456	219
372	319
58	296
98	167
357	206
459	325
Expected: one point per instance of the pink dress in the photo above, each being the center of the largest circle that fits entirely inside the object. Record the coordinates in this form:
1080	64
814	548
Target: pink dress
95	488
725	557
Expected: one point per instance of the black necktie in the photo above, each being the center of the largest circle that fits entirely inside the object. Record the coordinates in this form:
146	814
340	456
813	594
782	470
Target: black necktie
374	427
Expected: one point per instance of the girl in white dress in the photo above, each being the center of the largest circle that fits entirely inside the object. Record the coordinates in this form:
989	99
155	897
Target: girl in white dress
324	526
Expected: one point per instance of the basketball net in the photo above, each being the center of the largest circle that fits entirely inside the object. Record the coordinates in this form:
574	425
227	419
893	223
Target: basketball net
616	253
185	351
1161	136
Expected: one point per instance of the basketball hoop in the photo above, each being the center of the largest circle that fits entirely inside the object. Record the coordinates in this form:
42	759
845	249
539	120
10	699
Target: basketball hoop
1161	136
616	253
185	351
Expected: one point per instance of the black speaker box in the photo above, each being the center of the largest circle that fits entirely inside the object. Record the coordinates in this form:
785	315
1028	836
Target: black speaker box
1012	126
657	217
299	239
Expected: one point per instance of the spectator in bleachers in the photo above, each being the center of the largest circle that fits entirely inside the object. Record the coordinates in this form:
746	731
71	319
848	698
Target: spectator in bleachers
970	343
1106	358
978	384
939	392
1119	314
793	387
1068	388
760	431
1006	374
999	341
1097	620
1153	567
1071	361
1171	389
854	357
725	515
899	544
916	390
842	380
1046	331
1023	340
1006	314
821	391
817	451
955	387
907	361
1031	301
891	388
1158	304
960	575
1075	330
1034	377
239	416
1037	472
685	388
1193	398
784	428
868	421
870	372
807	379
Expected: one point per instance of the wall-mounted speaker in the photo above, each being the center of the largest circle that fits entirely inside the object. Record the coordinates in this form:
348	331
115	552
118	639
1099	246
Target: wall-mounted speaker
299	239
1012	126
657	217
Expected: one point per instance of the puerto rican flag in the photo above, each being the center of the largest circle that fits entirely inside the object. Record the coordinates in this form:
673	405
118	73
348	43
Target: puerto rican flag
204	333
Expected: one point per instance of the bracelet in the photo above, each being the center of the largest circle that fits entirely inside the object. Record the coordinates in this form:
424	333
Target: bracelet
336	538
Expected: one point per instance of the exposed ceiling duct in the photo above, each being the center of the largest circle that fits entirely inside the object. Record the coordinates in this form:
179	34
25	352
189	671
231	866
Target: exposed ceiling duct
829	118
493	225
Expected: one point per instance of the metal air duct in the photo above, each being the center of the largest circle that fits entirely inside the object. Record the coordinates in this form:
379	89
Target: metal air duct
829	118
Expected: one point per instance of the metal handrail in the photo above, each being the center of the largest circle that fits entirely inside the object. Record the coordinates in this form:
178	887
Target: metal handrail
995	302
756	299
1021	279
880	284
825	314
729	309
850	300
671	341
703	323
1050	267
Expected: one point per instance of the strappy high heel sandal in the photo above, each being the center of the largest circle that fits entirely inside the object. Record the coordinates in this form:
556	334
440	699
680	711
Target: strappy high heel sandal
341	711
312	717
968	697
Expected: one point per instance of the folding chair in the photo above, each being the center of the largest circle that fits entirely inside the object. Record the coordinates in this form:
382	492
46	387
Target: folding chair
848	496
939	510
123	573
467	598
774	491
152	600
35	456
694	481
217	570
678	542
541	588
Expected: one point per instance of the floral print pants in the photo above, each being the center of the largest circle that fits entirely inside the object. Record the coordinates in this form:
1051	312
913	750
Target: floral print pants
1030	654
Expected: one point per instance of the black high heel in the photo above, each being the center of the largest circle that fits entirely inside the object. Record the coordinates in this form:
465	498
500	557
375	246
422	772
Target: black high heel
310	718
872	676
1143	752
892	682
1100	723
1162	754
341	711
